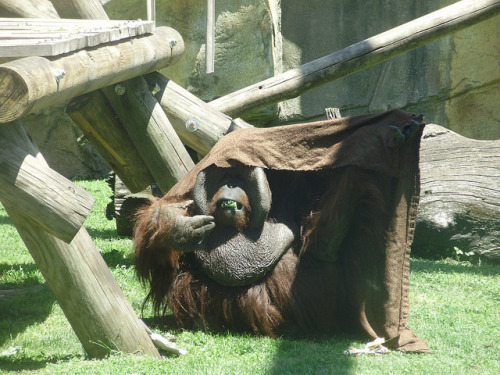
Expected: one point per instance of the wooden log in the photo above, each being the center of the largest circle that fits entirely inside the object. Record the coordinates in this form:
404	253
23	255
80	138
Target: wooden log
49	199
27	9
358	56
84	287
198	124
151	132
460	194
34	83
91	9
98	121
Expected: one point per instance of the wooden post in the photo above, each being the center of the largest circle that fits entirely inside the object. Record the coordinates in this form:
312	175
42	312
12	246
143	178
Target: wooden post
151	132
96	118
210	38
34	83
84	287
49	199
358	56
198	124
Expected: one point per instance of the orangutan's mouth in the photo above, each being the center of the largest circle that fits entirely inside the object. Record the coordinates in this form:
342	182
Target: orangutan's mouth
231	204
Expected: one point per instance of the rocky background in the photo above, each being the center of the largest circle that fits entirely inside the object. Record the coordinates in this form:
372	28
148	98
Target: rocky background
454	81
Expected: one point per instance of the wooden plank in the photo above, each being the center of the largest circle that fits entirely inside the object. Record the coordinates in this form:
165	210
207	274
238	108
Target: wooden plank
38	37
358	56
34	83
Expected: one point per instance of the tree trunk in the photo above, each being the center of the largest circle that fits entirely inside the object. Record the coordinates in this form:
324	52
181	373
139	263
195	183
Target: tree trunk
460	194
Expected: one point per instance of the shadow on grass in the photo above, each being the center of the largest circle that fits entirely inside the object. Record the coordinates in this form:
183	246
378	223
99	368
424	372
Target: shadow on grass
312	356
23	307
104	234
294	354
19	363
4	219
450	266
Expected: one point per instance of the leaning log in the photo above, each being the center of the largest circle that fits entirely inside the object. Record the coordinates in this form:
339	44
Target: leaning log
150	131
27	9
89	9
358	56
460	195
198	124
49	199
98	121
83	285
34	83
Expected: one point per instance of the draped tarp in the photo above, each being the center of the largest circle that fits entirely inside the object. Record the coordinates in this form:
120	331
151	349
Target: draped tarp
370	142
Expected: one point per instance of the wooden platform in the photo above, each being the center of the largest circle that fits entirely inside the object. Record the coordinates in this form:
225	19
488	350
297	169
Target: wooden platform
21	37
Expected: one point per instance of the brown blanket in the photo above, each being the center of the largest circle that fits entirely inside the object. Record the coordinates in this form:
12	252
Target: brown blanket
366	141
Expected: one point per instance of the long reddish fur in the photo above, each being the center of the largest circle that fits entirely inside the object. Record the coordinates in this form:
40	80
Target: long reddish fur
301	293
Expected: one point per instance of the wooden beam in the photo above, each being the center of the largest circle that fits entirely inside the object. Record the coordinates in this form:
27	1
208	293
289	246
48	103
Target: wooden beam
91	9
49	199
98	121
84	287
34	83
151	132
198	124
358	56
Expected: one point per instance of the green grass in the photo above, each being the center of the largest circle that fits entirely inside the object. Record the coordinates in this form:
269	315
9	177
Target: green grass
454	305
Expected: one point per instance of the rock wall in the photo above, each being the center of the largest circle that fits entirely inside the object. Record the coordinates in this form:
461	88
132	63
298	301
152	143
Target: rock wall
455	80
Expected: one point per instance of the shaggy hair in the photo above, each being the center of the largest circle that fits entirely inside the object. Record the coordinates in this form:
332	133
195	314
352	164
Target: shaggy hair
337	212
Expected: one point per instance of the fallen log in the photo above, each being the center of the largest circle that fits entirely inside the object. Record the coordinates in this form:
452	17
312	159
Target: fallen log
27	9
90	9
460	195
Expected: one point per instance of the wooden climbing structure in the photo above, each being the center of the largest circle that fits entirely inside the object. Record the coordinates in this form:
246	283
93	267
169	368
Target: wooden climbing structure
139	121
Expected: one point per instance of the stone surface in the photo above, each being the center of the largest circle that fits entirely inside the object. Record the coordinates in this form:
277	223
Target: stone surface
454	80
57	137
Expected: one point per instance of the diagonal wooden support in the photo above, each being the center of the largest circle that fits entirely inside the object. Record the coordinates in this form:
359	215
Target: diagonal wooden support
94	304
198	124
96	118
40	193
151	132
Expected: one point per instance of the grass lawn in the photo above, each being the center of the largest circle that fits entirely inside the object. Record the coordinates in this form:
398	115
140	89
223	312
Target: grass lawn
454	306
